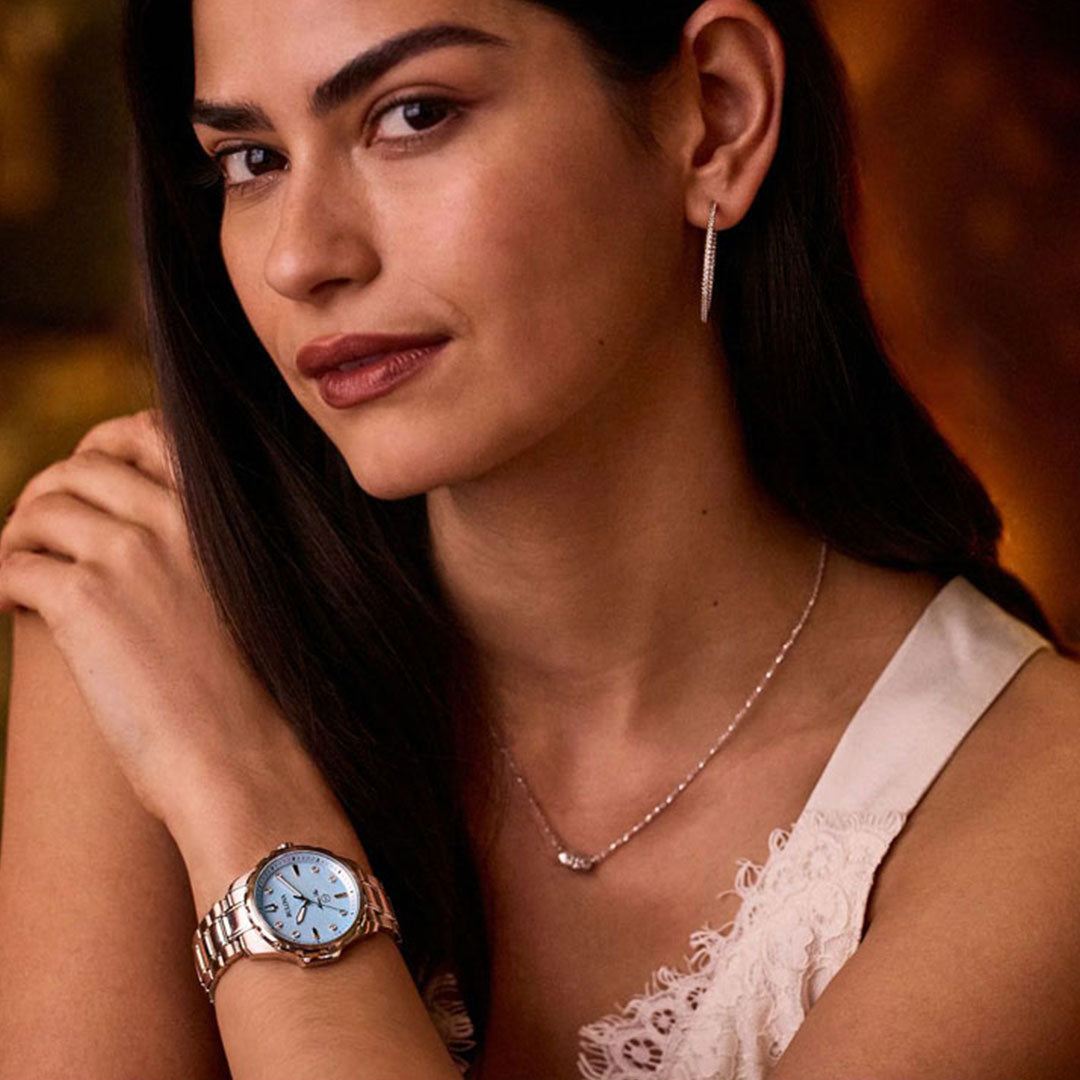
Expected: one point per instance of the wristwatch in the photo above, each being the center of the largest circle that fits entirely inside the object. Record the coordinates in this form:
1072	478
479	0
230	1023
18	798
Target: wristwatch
299	903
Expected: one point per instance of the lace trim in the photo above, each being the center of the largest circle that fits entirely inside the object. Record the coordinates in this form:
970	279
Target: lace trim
728	1013
442	996
799	920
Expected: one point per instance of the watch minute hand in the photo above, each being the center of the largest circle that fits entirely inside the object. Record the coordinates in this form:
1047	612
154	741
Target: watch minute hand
292	888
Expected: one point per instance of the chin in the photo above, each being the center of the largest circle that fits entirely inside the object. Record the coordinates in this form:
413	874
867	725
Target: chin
397	462
403	478
391	486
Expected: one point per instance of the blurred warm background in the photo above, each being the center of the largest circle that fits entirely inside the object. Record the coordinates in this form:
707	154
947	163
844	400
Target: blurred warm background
968	112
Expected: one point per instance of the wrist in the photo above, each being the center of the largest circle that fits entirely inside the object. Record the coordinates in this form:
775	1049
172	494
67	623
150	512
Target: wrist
299	902
242	815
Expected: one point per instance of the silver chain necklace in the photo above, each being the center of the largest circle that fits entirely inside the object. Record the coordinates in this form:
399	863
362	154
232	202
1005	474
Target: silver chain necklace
576	860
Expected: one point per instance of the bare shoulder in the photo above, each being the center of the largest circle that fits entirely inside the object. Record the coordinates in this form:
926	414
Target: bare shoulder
1016	774
968	967
1045	693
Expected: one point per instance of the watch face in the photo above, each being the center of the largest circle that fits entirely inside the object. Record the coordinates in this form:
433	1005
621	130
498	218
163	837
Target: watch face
306	897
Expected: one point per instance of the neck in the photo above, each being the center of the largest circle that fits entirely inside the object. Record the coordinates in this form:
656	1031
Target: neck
628	572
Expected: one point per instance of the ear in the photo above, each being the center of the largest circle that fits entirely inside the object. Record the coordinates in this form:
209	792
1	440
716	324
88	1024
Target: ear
733	62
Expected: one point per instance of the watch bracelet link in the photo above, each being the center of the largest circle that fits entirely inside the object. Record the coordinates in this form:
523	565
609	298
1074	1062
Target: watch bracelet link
218	939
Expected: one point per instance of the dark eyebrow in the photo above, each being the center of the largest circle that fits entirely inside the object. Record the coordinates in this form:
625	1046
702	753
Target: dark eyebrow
360	72
242	116
352	79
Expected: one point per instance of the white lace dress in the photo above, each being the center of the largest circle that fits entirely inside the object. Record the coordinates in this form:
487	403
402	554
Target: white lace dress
729	1011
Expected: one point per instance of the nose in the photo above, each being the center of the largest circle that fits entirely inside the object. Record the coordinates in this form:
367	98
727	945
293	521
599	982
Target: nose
322	242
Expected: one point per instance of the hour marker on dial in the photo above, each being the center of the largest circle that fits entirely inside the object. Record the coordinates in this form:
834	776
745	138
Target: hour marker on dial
296	933
279	924
333	926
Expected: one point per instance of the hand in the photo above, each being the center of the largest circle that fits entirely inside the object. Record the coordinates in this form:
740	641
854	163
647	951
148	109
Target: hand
98	546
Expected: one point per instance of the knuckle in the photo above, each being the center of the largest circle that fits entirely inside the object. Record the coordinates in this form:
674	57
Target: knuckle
92	435
48	502
40	482
101	429
87	456
37	507
175	527
81	589
144	421
128	542
10	562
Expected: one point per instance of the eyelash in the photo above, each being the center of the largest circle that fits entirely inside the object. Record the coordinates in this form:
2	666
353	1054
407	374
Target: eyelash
454	110
212	172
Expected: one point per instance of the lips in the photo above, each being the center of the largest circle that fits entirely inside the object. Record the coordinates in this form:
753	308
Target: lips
337	350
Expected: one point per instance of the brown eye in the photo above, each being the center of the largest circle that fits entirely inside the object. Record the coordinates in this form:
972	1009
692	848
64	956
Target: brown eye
418	115
243	164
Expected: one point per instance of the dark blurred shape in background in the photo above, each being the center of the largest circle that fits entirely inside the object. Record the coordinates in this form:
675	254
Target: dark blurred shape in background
67	306
968	115
63	138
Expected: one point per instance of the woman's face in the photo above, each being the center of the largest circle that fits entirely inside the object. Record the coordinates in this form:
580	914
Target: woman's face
514	215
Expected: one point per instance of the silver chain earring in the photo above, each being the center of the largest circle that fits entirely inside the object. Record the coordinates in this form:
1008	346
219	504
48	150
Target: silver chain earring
710	266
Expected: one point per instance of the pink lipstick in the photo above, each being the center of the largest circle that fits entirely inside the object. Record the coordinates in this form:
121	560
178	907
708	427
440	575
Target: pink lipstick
353	368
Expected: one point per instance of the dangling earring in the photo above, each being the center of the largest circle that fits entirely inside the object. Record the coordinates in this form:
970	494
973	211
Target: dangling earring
710	266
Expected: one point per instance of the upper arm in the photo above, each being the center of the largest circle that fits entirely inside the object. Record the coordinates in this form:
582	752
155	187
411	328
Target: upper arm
971	971
95	904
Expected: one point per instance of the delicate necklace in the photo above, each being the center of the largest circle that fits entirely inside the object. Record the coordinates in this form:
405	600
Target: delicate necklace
576	860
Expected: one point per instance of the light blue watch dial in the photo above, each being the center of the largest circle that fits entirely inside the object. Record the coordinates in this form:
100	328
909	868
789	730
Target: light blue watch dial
307	898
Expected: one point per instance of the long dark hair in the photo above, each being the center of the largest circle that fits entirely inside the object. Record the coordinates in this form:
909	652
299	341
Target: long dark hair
330	592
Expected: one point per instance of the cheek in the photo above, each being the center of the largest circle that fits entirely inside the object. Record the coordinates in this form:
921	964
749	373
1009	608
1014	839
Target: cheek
240	251
550	276
554	268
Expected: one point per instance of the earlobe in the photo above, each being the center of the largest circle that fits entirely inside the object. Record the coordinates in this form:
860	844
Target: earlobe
739	59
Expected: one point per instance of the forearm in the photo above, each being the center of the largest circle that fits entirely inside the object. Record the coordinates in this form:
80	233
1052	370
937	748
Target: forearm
359	1016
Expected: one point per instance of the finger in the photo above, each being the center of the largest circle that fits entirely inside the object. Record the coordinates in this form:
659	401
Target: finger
30	581
112	485
64	525
139	439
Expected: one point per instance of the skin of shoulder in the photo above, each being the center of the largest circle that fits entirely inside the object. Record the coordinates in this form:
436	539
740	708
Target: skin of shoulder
968	967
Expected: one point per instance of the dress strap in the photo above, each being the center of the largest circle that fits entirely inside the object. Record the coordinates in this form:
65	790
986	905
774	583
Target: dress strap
960	654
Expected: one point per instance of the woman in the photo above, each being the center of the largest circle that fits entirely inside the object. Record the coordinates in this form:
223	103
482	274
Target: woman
482	615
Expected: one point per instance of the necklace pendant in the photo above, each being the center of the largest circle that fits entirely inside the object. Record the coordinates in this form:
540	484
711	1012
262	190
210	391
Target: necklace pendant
576	862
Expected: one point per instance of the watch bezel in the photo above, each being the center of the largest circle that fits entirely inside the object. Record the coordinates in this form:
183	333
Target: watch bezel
305	952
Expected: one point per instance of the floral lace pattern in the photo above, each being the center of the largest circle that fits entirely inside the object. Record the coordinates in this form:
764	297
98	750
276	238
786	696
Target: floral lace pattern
731	1010
447	1011
748	985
